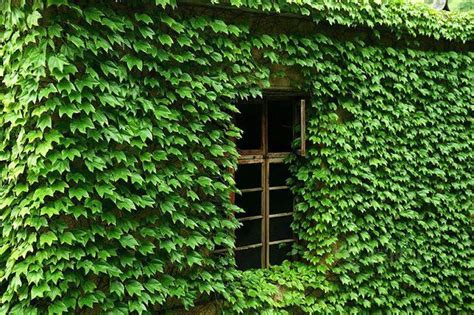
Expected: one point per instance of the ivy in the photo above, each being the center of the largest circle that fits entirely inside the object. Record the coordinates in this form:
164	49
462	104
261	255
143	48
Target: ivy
399	16
292	288
117	141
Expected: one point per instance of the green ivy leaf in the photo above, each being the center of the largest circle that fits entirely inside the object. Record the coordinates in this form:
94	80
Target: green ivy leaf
33	18
128	241
117	288
165	39
48	238
87	300
39	290
134	288
44	122
57	62
219	26
142	17
58	307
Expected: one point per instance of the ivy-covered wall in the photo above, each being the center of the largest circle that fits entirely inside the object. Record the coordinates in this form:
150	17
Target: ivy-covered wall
117	142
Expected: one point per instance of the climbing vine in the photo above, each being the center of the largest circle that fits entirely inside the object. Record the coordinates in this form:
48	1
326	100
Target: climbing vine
117	141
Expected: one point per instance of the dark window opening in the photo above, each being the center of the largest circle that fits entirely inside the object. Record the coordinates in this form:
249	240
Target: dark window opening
250	258
250	232
280	125
269	130
250	202
281	201
279	253
279	173
280	228
249	176
249	121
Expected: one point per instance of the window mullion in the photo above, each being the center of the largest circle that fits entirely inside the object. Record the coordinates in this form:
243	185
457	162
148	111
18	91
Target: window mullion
266	216
303	127
266	184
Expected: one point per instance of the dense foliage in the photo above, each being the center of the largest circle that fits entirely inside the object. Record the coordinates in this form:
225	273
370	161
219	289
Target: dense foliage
389	181
400	16
117	141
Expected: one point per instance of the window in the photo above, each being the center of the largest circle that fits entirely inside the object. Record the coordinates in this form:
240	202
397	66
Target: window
269	127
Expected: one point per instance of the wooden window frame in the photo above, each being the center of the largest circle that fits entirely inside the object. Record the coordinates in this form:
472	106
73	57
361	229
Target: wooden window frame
265	159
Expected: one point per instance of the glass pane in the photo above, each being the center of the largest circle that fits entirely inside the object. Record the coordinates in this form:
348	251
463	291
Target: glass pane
249	233
281	201
250	121
279	173
280	125
251	202
280	228
248	258
279	253
249	176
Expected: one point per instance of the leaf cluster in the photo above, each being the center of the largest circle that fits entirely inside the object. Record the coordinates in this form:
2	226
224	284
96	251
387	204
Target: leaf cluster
117	143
